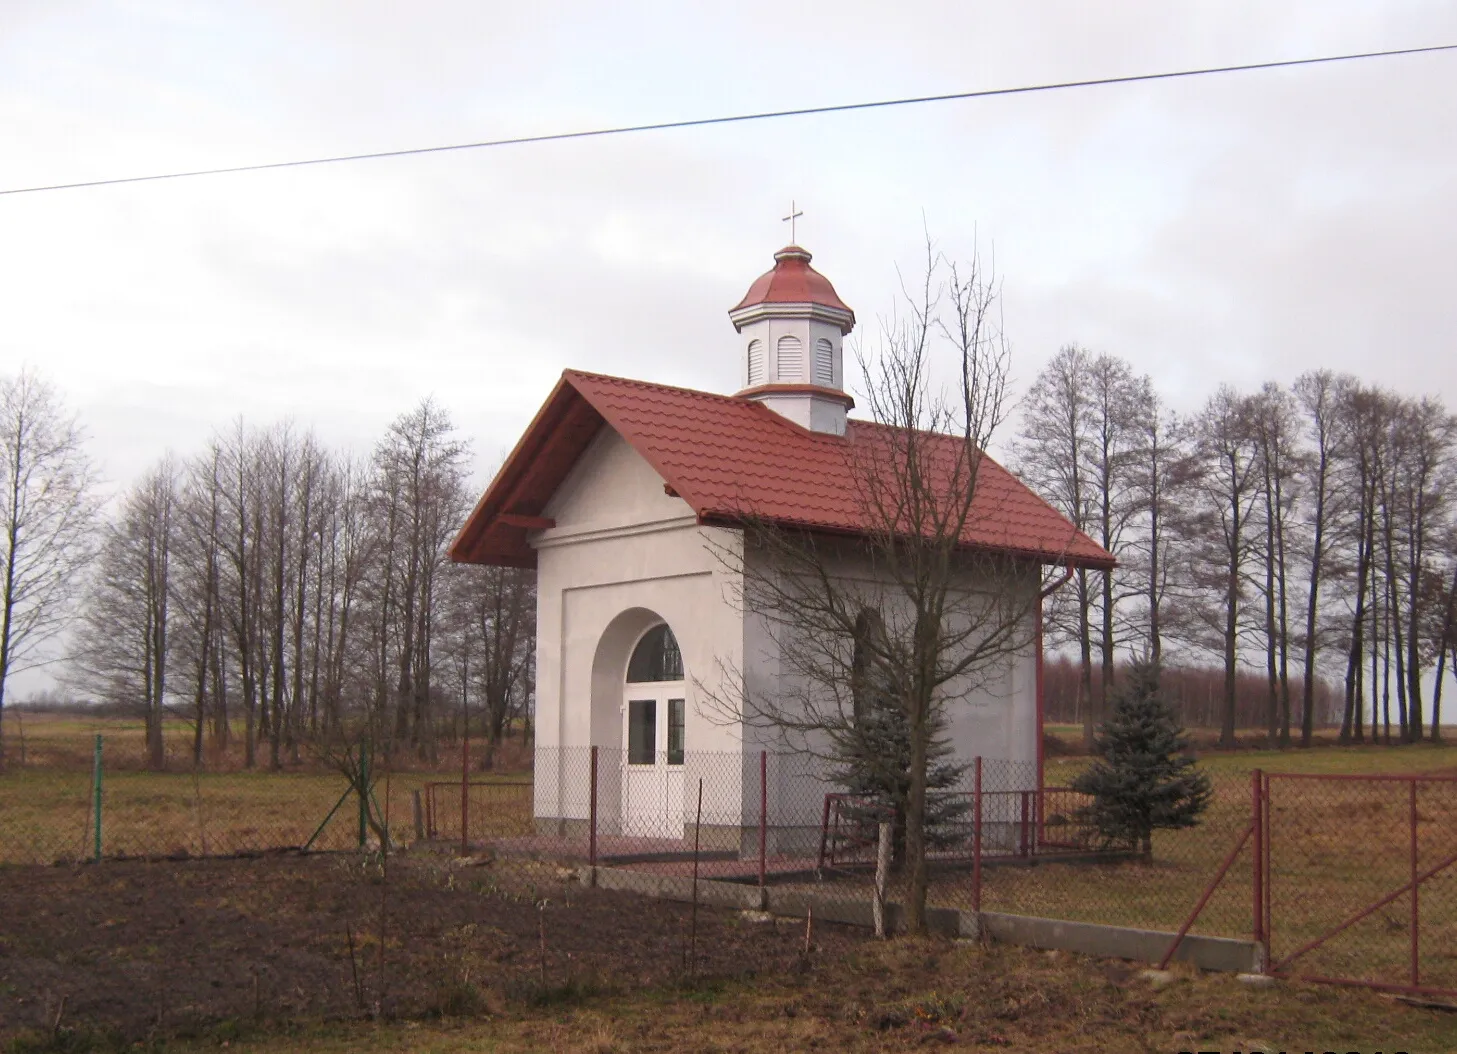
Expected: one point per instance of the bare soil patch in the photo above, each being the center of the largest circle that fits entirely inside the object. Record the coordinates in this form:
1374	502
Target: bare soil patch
139	950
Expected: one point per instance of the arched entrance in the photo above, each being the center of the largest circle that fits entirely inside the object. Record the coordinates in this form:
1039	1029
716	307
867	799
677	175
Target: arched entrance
654	715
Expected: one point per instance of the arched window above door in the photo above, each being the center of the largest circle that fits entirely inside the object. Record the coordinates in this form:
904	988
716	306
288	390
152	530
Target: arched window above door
656	657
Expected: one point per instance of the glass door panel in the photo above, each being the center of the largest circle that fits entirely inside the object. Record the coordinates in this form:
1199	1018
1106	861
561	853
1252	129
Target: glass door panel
642	731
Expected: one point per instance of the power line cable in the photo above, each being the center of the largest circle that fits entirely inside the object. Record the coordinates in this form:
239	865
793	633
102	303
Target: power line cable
699	122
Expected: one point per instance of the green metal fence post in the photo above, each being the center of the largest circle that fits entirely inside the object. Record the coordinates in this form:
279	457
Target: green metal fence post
96	795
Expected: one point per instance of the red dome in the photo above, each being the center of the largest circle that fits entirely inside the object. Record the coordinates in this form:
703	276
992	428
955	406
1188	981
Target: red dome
793	281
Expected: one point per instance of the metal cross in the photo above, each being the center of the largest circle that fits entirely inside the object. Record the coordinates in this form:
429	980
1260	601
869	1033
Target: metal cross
794	214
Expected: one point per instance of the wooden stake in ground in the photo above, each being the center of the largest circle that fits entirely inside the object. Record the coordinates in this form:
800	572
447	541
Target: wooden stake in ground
809	928
541	934
56	1024
354	967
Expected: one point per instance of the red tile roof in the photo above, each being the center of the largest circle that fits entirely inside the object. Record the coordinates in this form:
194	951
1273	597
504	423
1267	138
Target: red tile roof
730	457
793	281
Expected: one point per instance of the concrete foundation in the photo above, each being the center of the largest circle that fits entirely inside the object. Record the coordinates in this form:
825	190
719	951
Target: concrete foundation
678	888
1121	942
1224	954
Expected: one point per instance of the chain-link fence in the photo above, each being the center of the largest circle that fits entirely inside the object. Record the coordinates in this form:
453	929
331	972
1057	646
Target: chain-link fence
1343	877
76	809
1361	878
1155	892
784	824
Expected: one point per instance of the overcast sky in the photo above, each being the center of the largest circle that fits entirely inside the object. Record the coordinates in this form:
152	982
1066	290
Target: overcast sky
1235	228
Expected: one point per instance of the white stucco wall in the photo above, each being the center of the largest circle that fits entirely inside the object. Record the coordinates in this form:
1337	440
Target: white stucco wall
622	556
994	718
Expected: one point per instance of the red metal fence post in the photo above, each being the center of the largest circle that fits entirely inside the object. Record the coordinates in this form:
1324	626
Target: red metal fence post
763	814
1269	832
825	834
592	818
976	840
464	780
1257	814
1415	908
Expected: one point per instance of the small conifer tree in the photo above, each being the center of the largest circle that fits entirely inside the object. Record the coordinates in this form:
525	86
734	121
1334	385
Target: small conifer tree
873	755
1143	780
874	763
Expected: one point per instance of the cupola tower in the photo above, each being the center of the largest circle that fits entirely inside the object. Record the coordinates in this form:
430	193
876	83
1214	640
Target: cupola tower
791	327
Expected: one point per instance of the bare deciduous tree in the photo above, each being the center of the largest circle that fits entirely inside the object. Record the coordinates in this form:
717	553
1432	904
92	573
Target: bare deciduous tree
1227	453
1281	461
1052	456
950	617
121	650
1161	473
419	486
47	513
1317	394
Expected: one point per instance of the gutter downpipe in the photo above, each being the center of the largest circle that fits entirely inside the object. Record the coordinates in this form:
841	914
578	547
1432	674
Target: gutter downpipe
1037	630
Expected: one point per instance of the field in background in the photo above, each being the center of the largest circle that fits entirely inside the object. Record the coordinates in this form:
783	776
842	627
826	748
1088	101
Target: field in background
1067	739
46	803
66	740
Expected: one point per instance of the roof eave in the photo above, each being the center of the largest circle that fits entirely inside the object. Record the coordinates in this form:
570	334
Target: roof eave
1041	556
468	544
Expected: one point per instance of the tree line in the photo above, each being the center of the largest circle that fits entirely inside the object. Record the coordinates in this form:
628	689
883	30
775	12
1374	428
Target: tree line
1305	532
267	589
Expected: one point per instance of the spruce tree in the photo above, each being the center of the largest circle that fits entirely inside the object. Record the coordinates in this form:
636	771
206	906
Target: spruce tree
1143	780
874	755
874	764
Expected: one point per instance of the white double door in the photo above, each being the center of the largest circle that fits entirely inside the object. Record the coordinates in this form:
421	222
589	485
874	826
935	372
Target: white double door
653	729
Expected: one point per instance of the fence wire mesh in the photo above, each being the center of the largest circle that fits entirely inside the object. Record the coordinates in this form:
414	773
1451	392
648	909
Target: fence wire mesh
756	826
1344	854
49	813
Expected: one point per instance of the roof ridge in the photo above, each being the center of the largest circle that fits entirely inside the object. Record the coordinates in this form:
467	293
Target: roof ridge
634	382
751	405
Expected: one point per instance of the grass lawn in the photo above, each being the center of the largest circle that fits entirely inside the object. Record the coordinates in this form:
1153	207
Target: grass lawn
46	805
1336	847
902	995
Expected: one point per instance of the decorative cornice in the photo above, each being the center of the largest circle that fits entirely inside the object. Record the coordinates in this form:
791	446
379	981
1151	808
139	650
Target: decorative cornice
744	316
569	535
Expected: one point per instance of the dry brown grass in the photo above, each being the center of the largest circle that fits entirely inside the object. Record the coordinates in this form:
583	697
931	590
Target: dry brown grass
1335	846
46	805
906	994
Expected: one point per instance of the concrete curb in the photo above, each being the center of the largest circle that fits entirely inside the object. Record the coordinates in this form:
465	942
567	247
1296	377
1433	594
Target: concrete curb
1121	942
675	887
796	904
1224	954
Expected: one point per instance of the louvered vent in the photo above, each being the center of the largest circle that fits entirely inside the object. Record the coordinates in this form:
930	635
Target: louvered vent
758	369
791	359
824	363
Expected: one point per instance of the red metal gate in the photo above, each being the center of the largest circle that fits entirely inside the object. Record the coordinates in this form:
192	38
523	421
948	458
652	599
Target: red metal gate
1358	879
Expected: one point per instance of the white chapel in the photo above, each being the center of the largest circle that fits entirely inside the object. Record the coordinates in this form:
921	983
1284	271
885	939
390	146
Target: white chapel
622	495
